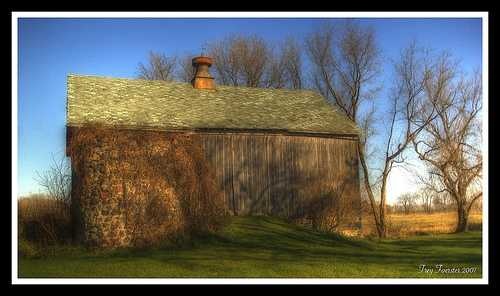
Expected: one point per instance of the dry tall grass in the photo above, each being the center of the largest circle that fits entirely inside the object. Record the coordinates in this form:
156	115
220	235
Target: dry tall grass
43	220
35	206
401	225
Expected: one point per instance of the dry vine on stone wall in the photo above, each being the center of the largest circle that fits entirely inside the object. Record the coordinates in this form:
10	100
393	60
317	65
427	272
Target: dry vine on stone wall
138	188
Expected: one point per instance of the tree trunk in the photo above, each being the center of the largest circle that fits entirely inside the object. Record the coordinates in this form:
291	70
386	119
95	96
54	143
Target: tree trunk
378	225
383	227
463	218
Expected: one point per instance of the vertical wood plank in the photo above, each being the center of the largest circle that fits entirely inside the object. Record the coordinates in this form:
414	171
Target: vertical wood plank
277	174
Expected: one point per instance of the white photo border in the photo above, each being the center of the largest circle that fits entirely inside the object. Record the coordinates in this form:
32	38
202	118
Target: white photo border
258	15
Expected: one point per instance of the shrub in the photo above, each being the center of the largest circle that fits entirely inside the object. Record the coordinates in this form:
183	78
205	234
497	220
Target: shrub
328	207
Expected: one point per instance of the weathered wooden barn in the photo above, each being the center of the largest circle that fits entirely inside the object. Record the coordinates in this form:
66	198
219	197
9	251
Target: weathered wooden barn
278	152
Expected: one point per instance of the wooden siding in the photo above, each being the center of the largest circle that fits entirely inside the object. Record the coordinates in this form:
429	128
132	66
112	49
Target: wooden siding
281	174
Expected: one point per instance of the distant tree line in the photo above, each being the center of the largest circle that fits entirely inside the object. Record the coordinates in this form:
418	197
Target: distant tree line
426	201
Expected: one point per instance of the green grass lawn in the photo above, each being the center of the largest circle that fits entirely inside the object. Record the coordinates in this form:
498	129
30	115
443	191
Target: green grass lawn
269	247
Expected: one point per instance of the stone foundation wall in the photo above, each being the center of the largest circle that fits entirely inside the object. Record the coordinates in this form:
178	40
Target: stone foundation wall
140	188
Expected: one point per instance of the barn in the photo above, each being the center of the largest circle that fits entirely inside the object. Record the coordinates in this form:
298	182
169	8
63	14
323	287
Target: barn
152	160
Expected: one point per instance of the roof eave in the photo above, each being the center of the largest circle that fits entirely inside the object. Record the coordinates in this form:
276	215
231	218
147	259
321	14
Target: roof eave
225	130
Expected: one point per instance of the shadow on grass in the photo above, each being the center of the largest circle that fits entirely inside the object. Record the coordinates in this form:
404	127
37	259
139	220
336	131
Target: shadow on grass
264	239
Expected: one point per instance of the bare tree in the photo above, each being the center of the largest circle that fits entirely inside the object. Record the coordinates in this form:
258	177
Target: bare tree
344	67
284	66
56	180
478	205
240	60
186	69
276	71
251	61
427	197
255	55
408	115
293	64
291	57
438	203
227	61
407	202
159	67
450	145
431	192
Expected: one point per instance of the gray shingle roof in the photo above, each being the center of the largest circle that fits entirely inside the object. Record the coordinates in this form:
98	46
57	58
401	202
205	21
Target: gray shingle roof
163	105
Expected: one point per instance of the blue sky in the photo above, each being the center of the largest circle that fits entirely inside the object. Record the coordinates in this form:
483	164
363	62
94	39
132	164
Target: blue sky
50	49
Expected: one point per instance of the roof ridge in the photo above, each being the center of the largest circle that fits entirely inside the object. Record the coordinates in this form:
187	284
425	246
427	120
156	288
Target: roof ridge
187	83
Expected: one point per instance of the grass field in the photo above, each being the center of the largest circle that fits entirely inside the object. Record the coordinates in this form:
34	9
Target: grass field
406	225
271	248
